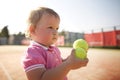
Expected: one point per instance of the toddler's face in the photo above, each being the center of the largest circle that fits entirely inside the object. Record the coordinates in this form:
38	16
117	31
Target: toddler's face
46	31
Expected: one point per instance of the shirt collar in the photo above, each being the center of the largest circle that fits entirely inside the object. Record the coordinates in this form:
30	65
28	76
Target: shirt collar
35	43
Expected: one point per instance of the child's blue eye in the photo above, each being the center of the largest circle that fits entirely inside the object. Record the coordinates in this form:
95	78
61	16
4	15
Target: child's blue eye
53	28
57	28
50	27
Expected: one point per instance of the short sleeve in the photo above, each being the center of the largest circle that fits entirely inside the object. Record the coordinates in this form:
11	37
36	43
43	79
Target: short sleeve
33	59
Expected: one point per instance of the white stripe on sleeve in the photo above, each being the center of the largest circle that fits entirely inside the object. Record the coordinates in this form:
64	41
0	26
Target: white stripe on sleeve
34	67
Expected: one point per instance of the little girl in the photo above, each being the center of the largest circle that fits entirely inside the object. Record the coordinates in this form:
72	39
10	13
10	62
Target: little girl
42	61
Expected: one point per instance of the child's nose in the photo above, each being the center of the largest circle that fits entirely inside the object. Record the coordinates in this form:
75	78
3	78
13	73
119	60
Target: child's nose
55	32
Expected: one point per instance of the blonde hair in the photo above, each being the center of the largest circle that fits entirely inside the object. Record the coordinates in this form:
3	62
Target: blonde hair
36	15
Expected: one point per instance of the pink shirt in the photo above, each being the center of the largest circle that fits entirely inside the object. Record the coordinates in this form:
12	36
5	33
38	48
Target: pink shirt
38	56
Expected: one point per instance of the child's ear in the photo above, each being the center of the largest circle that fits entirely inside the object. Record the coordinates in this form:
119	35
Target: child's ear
32	29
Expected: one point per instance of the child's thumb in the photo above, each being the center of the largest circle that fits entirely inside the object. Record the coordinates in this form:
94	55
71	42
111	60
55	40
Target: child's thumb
73	52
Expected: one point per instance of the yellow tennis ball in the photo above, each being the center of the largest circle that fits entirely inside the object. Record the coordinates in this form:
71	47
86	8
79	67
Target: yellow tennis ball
80	43
80	53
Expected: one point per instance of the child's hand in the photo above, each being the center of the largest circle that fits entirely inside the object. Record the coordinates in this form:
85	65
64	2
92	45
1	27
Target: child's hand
75	62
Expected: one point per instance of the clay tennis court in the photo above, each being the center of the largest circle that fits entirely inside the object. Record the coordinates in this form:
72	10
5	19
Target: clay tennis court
104	64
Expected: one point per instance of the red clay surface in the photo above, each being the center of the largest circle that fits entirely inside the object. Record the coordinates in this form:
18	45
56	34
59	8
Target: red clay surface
104	64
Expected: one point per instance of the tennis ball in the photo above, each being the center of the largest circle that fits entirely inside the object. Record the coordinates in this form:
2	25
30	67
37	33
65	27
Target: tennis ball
81	47
80	53
80	43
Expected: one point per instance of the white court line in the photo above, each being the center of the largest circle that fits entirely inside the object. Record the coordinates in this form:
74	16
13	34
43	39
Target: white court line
6	72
